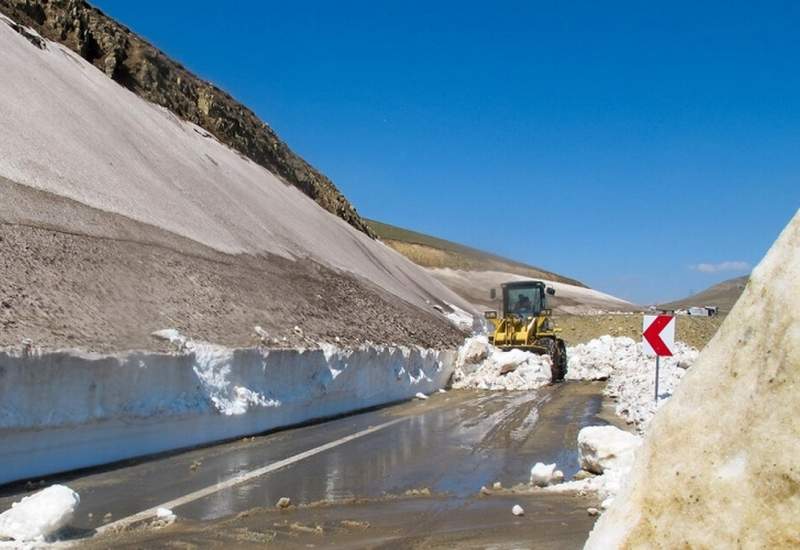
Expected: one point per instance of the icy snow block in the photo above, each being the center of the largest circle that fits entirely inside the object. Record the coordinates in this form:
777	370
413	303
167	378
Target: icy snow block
719	464
543	475
474	350
39	516
604	448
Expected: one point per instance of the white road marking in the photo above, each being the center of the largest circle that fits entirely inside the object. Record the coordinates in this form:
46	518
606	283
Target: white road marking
240	478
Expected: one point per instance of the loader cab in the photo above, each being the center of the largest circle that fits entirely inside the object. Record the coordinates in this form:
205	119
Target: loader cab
525	298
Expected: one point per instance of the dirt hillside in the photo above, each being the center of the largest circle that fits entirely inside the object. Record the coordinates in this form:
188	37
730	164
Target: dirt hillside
119	219
723	295
432	252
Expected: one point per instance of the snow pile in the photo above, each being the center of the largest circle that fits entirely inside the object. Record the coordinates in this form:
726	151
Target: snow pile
485	367
39	516
607	452
718	467
61	411
630	373
543	474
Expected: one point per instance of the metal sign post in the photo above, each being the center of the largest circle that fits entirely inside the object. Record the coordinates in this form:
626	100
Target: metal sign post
658	338
657	358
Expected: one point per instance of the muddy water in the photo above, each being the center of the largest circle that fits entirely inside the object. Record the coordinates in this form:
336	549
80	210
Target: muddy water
420	477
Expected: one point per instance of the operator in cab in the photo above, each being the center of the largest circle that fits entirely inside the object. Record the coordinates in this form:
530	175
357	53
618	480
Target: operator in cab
523	306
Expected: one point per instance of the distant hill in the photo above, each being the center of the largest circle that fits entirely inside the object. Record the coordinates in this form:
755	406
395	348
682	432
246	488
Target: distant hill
723	295
471	273
436	253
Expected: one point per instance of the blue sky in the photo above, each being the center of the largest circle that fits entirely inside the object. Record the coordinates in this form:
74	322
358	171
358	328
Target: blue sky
647	150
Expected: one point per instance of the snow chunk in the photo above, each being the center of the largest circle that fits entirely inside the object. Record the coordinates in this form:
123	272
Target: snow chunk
460	319
37	517
517	510
474	350
483	366
604	448
543	475
608	451
170	335
421	395
165	517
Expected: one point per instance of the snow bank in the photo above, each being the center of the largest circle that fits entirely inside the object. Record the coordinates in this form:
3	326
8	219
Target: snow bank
39	516
483	366
630	373
61	411
718	467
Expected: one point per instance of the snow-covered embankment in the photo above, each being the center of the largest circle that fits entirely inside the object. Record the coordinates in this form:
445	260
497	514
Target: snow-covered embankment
61	411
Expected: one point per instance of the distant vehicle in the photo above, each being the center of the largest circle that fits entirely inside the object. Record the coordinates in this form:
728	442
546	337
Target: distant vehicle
526	323
699	311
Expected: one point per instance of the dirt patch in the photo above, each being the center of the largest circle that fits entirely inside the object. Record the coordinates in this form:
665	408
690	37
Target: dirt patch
104	282
550	521
577	329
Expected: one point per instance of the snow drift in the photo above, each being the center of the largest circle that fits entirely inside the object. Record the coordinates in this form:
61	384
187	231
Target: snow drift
61	411
718	467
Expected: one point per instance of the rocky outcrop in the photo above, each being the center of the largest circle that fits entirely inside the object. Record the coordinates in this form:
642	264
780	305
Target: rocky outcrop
148	72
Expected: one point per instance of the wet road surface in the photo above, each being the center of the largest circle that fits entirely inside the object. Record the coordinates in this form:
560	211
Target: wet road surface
415	480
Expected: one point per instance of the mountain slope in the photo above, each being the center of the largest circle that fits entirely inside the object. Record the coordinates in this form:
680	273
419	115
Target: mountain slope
471	273
137	65
118	219
723	295
433	252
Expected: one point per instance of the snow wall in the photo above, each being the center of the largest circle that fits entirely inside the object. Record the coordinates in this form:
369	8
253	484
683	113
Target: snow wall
719	466
62	411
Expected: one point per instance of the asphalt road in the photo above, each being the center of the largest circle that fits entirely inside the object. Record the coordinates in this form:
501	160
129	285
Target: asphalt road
407	475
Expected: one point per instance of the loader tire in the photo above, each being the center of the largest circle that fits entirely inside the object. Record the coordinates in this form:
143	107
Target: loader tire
557	351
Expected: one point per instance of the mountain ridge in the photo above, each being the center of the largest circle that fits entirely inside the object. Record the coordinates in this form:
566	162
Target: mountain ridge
434	252
723	295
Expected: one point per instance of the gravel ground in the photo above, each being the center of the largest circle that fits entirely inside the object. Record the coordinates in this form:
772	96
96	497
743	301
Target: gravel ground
576	329
72	276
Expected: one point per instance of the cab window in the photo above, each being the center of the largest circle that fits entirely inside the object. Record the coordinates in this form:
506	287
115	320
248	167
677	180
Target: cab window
524	301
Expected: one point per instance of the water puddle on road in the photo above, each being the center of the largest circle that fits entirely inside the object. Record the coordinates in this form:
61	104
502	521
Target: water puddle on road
447	450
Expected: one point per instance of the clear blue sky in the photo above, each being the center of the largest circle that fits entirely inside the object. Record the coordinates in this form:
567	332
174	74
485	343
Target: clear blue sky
621	143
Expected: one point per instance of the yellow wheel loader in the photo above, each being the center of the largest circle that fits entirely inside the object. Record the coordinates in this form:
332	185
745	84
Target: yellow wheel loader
525	322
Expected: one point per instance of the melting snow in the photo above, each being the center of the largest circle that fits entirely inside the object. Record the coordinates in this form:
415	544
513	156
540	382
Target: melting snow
38	517
482	366
608	452
630	373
